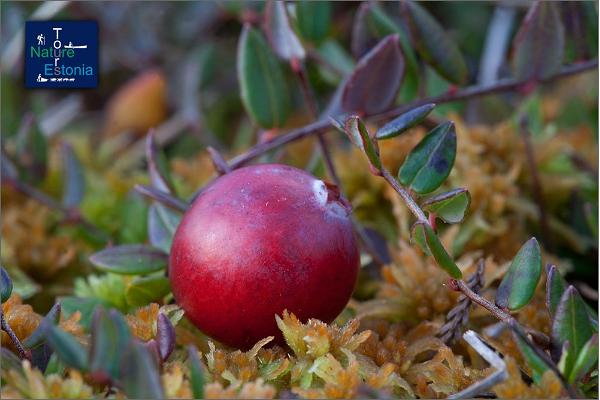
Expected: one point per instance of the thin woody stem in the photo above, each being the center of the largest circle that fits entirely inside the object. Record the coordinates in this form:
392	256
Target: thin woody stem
517	329
505	85
13	338
408	200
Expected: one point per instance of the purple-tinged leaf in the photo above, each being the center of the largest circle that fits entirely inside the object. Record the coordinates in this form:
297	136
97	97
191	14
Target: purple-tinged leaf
571	324
313	19
162	197
140	378
538	47
434	44
586	360
358	134
6	285
263	87
110	339
162	224
404	122
518	285
32	149
157	166
282	38
428	165
196	373
437	250
146	289
376	79
74	180
133	259
450	206
165	336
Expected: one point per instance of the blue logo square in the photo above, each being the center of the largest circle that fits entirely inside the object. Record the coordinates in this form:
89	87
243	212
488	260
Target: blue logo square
61	54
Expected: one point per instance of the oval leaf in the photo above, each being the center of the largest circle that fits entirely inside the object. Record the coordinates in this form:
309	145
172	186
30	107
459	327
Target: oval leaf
144	290
263	88
434	44
537	365
162	224
450	206
165	336
130	259
418	237
140	378
571	324
555	287
586	360
518	285
196	373
429	163
74	180
404	122
313	19
110	339
283	39
66	347
439	253
376	79
358	134
6	285
538	47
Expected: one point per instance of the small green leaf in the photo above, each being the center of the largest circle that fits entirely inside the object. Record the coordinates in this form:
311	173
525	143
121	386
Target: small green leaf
66	347
555	287
429	163
196	373
140	378
376	79
313	19
38	336
586	360
537	365
162	224
518	285
450	206
263	88
439	253
418	236
571	324
6	285
358	134
144	290
538	47
434	44
74	180
110	339
133	259
32	149
404	122
133	215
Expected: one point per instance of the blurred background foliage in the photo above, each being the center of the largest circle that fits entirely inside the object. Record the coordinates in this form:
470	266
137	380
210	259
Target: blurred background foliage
175	68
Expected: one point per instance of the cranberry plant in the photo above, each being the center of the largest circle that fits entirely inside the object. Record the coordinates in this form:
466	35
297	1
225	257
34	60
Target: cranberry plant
402	72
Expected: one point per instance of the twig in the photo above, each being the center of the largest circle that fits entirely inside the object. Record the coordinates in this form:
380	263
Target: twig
23	355
458	317
162	197
72	215
408	200
218	161
501	86
492	358
535	181
517	329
